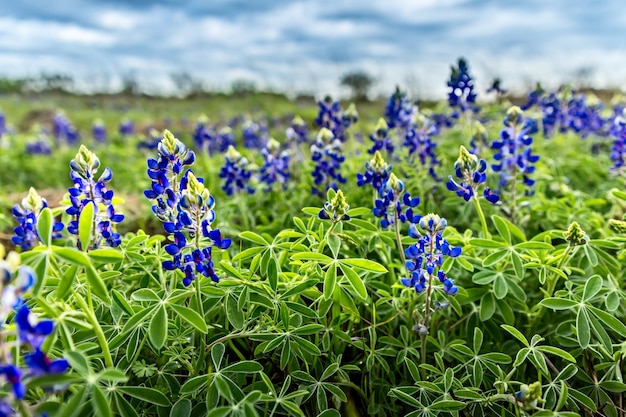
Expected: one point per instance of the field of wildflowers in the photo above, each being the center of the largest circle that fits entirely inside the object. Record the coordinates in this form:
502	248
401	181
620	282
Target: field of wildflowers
462	260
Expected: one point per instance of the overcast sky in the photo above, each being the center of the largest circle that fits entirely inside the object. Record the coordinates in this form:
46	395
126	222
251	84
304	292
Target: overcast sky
306	45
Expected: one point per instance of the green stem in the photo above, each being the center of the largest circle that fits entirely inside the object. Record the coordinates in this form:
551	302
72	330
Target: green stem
243	211
320	249
93	320
399	238
481	215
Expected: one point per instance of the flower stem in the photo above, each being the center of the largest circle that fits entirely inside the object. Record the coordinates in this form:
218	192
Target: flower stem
399	238
481	215
93	320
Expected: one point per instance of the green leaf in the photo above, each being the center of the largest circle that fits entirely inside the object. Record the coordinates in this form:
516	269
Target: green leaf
244	367
502	228
364	264
355	282
191	316
495	257
447	405
313	256
334	243
100	403
592	287
85	224
182	408
234	315
583	332
272	274
331	412
555	303
157	332
330	281
609	321
124	407
149	395
562	396
253	237
500	287
98	287
106	255
516	333
112	375
359	211
45	222
145	295
71	255
557	352
362	224
486	243
78	362
228	267
487	306
534	245
66	282
74	405
194	384
613	386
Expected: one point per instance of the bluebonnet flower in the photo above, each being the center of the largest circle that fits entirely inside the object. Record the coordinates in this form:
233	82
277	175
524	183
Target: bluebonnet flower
151	140
3	123
381	138
471	171
83	170
275	167
529	395
552	116
583	116
63	130
27	215
461	93
376	173
201	134
395	204
513	149
185	207
297	132
15	281
99	131
399	111
13	375
335	208
6	410
255	134
30	330
327	154
40	144
418	138
236	172
618	149
479	138
532	99
425	257
126	128
39	364
333	118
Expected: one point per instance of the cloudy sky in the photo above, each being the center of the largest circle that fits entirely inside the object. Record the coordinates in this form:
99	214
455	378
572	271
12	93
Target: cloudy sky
306	45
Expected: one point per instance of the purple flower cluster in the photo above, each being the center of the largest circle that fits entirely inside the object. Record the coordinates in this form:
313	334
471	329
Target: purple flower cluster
275	167
618	149
381	138
297	132
461	93
513	148
255	134
27	215
30	332
333	118
63	130
88	190
327	154
126	128
399	110
471	171
99	131
425	257
185	206
236	173
376	173
395	205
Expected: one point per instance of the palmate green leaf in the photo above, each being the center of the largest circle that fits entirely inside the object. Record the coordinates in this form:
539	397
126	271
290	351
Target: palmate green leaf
194	385
45	222
592	287
149	395
534	245
190	316
145	295
356	283
120	300
487	244
502	228
71	255
157	331
447	405
85	225
556	303
66	283
182	408
272	274
557	352
234	315
330	282
313	256
100	403
363	224
364	264
583	331
487	306
106	255
608	320
254	237
244	367
112	375
517	334
73	407
124	407
98	287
